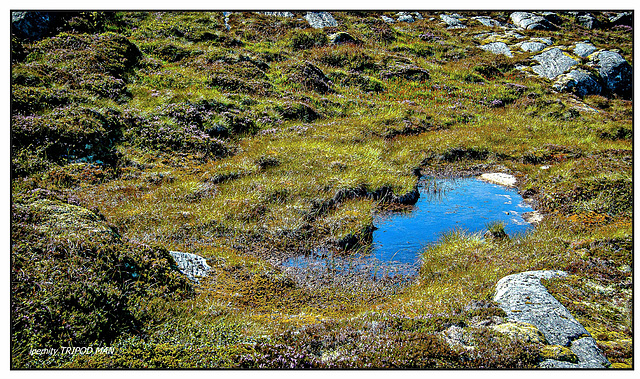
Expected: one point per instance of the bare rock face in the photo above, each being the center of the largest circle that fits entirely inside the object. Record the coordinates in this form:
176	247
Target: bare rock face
525	300
499	178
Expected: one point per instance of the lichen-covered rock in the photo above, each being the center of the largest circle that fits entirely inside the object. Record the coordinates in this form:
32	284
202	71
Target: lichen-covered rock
530	21
623	18
319	20
192	265
487	21
521	331
583	49
498	48
587	20
31	25
553	62
388	19
615	71
341	37
524	299
580	82
453	21
532	46
405	17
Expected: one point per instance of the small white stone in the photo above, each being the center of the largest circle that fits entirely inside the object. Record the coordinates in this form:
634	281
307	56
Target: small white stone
545	167
499	178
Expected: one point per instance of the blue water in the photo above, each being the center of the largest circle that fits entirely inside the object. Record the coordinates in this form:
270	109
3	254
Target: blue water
444	205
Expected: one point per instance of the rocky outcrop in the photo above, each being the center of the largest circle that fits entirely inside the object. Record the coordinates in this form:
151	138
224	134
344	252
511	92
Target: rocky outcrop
31	25
497	48
530	21
587	20
615	71
192	265
319	20
553	62
525	300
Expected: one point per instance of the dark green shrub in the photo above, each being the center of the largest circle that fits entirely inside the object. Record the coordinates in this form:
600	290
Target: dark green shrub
303	40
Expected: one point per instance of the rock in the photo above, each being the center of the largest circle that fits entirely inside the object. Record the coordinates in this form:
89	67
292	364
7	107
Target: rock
408	72
341	37
580	82
192	265
388	19
583	49
624	18
533	217
499	178
553	62
524	299
552	17
530	21
319	20
457	336
404	17
278	14
615	71
417	16
588	21
31	25
532	46
521	331
498	48
452	21
487	21
312	78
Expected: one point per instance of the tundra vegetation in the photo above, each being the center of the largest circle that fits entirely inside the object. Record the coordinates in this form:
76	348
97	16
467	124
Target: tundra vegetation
248	138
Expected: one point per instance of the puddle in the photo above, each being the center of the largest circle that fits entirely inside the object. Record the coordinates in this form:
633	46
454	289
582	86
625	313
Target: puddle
444	205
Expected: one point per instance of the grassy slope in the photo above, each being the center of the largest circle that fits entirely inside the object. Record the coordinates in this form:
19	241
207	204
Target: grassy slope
231	145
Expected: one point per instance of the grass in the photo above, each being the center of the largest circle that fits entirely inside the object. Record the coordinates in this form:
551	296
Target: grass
265	142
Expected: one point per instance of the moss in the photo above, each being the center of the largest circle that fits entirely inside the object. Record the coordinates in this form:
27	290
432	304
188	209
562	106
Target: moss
559	353
521	331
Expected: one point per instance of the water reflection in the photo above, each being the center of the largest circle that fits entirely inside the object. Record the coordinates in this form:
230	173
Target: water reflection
444	205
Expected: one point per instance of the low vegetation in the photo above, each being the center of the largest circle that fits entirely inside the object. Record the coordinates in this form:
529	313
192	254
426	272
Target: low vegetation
249	139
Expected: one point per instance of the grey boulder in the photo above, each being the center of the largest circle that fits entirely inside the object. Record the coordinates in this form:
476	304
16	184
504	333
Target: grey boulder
615	71
319	20
487	21
525	300
192	265
530	21
553	62
497	48
453	21
532	46
580	82
587	21
583	49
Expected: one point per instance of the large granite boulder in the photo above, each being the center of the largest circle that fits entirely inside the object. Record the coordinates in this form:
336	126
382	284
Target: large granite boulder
580	82
553	62
615	71
525	300
530	21
319	20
